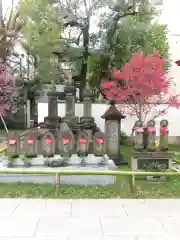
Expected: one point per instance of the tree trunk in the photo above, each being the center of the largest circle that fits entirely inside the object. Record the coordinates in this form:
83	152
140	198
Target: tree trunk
83	73
1	14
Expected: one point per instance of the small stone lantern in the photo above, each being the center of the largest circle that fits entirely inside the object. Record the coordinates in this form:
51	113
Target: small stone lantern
112	133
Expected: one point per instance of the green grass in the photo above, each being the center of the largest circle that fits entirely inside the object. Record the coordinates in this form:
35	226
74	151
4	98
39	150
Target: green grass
174	147
144	189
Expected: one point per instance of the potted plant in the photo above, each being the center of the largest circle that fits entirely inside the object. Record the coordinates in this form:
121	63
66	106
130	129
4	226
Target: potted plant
155	167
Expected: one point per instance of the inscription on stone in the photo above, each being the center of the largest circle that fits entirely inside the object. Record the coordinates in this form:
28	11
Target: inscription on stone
112	137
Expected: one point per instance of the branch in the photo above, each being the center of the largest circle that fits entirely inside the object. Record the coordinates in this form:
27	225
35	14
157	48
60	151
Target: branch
78	39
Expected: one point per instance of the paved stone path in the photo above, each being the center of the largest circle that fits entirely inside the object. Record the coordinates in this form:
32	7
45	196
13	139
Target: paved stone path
115	219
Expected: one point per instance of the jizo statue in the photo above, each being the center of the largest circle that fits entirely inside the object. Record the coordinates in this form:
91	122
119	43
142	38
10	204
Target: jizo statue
48	144
99	144
82	146
13	146
30	144
151	131
65	142
139	131
164	132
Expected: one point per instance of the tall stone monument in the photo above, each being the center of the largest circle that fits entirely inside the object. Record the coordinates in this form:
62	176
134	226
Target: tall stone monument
112	133
52	118
70	94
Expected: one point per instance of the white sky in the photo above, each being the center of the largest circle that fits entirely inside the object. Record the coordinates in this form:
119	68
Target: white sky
7	4
170	14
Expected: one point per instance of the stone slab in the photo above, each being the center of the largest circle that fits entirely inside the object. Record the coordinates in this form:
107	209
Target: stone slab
40	160
68	179
45	219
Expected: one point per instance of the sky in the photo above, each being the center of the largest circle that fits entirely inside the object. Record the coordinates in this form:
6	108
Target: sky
170	14
7	4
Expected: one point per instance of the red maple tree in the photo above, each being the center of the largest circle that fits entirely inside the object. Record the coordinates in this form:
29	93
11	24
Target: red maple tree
8	93
142	87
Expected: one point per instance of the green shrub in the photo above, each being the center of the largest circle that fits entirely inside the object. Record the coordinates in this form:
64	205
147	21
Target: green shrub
123	138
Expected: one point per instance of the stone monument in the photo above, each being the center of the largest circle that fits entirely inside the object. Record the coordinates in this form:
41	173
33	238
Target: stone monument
112	133
139	130
148	155
151	131
164	132
52	119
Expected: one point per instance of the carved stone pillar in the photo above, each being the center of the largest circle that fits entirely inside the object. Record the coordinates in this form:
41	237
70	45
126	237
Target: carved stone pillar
70	117
52	118
112	133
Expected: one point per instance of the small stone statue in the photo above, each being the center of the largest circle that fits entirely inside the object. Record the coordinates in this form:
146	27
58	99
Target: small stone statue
151	130
65	142
164	132
82	146
139	130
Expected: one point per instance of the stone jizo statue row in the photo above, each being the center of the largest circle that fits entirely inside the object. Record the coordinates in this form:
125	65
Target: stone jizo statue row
65	143
145	137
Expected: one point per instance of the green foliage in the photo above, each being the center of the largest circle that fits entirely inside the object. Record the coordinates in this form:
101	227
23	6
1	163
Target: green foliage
124	138
155	167
42	34
123	36
9	32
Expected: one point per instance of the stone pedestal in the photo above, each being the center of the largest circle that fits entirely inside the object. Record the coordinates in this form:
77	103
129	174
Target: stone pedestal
70	117
52	117
74	163
139	159
112	133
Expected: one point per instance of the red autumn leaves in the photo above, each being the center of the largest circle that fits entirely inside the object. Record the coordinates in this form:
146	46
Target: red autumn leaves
143	80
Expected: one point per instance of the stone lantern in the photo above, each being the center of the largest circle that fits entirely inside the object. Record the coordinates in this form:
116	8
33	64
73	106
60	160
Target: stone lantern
113	133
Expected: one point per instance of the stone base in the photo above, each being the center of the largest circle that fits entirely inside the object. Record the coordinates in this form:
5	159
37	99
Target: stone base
69	179
74	163
74	160
52	120
156	179
139	159
120	160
